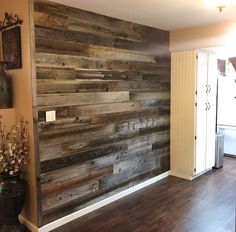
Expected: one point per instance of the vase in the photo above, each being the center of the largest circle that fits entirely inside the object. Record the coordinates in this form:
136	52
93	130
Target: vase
5	88
12	199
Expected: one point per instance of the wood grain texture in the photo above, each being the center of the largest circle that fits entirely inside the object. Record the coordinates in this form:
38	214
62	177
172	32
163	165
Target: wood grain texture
109	82
172	204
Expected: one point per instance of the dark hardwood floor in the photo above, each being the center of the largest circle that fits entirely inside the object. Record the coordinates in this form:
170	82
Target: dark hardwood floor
206	204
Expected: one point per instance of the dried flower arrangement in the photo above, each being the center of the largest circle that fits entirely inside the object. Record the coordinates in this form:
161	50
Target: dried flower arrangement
14	148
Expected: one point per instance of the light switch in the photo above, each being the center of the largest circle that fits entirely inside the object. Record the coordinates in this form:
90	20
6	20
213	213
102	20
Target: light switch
50	116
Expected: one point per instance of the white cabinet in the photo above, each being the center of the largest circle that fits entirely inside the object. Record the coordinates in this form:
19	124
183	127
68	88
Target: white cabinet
193	112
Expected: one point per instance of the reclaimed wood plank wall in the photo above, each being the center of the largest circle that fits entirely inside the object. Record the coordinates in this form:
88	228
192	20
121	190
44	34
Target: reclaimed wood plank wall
109	82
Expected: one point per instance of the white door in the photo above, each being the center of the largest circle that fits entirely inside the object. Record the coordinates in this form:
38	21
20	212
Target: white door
211	111
201	113
200	157
210	134
202	75
212	77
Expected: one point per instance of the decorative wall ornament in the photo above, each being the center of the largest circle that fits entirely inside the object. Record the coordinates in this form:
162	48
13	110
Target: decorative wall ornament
11	41
11	48
10	21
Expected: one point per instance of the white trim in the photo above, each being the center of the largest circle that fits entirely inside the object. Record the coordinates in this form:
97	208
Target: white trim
100	204
28	224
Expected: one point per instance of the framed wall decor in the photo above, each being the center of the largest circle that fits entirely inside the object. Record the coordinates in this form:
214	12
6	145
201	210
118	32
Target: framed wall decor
11	48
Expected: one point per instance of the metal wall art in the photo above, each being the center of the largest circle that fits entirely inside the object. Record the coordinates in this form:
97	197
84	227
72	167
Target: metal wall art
11	41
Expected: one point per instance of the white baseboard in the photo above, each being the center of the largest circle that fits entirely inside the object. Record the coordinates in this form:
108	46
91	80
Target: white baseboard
98	205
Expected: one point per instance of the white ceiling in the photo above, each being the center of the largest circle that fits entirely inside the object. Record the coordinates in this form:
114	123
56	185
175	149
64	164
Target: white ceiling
163	14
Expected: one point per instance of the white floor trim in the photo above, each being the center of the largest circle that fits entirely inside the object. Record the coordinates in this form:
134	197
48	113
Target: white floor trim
100	204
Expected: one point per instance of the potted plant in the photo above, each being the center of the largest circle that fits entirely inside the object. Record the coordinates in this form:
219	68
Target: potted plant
14	150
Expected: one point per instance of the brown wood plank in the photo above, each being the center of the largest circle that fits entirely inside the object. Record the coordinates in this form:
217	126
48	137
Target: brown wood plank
53	186
136	96
77	135
182	206
62	155
81	98
58	46
89	75
123	116
109	108
69	197
67	86
109	82
160	48
71	86
100	23
78	157
82	63
139	86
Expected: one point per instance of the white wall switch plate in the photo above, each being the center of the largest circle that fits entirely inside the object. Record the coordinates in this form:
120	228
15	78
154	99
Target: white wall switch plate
50	116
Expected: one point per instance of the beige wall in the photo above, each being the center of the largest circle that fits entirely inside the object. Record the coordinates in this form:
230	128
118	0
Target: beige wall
212	35
8	117
22	90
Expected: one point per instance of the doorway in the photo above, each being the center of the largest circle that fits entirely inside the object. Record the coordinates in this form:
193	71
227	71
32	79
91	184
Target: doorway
226	103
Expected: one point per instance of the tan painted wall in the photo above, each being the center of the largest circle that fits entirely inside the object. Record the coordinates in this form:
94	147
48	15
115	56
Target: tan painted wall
22	90
8	117
212	35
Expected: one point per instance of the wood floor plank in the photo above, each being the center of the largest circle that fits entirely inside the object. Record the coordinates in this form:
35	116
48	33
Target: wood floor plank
205	204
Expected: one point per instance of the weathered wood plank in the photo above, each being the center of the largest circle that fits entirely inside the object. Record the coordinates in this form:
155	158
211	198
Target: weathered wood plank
67	86
70	99
62	155
70	197
127	170
52	185
72	86
89	75
101	195
154	129
67	197
136	96
64	126
71	136
150	103
54	178
82	63
64	149
74	48
147	114
108	108
62	146
61	127
76	157
135	124
123	116
109	82
53	182
100	23
139	86
160	49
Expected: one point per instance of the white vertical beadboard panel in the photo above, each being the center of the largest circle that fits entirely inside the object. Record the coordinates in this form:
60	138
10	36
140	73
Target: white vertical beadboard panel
183	87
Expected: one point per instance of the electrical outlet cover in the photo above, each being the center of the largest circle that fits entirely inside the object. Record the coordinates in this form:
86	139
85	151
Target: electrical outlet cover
50	116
